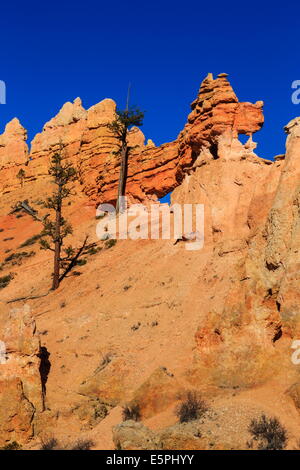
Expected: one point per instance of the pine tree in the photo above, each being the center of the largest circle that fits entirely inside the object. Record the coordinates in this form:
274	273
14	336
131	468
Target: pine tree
120	126
57	229
21	176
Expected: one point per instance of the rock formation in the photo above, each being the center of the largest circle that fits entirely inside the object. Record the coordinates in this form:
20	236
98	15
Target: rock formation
21	396
213	126
148	319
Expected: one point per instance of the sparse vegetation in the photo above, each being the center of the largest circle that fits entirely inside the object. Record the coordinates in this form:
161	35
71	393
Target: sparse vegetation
5	280
93	250
81	262
31	241
110	243
191	408
16	258
12	446
49	444
80	444
136	326
104	362
269	433
21	176
131	412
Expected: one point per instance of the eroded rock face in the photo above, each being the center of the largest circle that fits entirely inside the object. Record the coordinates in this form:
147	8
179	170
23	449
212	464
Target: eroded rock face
244	285
21	396
213	125
13	148
223	428
131	435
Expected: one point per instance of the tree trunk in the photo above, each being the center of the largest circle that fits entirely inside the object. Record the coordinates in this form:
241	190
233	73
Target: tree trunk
123	176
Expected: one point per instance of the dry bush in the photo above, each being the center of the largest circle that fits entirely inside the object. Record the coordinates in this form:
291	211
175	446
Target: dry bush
191	408
269	433
131	412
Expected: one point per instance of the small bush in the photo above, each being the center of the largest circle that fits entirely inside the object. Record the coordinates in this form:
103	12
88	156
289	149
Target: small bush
49	444
12	446
104	362
93	250
5	280
81	262
269	433
82	444
131	412
31	241
17	257
110	243
191	408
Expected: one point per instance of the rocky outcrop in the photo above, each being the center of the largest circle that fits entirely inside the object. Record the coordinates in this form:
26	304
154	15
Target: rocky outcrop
13	148
225	427
216	119
224	318
213	126
251	232
21	396
131	435
13	155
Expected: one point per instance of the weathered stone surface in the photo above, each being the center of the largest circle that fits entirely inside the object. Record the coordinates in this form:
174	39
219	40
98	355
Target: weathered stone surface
108	384
215	121
294	393
20	381
157	393
13	148
224	317
131	435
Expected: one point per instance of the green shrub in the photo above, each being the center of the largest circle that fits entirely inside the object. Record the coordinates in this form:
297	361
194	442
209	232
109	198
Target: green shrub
110	243
31	241
5	280
81	262
17	257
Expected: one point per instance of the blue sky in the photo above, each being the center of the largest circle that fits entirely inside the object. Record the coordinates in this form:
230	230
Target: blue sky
53	52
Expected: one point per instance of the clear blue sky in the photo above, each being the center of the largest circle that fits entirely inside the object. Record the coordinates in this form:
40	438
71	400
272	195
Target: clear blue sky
52	52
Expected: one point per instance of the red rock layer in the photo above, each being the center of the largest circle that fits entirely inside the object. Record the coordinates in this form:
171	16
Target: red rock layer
153	171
